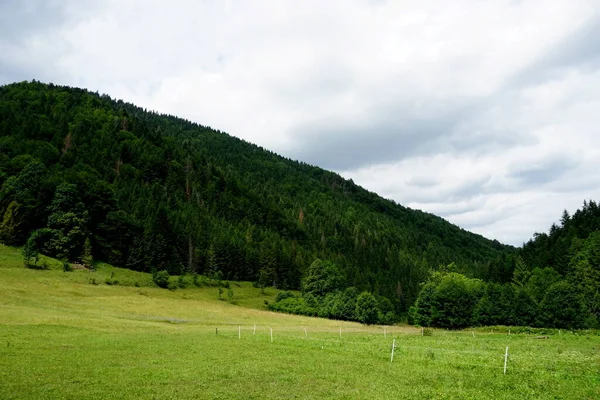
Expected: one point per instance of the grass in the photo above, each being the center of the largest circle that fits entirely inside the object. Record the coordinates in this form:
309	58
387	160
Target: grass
62	337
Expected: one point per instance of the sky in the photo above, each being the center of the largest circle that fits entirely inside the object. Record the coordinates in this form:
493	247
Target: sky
486	113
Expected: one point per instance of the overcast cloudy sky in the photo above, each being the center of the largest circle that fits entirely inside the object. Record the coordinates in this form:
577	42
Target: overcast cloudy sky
484	112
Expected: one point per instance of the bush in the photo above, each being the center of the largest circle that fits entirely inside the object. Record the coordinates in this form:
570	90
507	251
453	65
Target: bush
30	251
420	313
562	307
181	281
454	300
284	295
67	266
367	310
161	279
321	278
292	305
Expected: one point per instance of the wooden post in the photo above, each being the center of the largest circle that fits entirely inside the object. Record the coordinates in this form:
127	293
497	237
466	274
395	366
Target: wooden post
239	332
393	347
271	335
216	331
340	332
422	332
254	331
473	332
505	359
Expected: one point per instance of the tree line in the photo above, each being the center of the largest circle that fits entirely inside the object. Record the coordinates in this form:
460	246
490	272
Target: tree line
555	283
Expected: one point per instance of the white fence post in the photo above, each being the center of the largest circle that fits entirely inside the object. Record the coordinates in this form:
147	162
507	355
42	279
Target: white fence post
271	335
239	332
505	359
393	347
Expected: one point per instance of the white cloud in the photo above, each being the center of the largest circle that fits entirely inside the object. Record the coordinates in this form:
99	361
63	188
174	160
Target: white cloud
483	112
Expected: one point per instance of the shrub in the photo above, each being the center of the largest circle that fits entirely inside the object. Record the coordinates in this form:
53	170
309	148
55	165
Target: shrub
562	307
367	311
30	251
292	305
421	312
161	279
454	300
181	281
284	295
67	266
321	278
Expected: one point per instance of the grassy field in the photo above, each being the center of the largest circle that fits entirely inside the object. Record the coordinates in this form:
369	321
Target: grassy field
62	337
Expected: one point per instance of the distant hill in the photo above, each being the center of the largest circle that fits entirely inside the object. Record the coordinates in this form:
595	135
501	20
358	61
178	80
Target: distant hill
96	177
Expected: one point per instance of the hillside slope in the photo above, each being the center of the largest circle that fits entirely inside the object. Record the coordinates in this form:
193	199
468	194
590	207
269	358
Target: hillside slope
100	177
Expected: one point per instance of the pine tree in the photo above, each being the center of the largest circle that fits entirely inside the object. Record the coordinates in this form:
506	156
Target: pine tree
521	273
10	224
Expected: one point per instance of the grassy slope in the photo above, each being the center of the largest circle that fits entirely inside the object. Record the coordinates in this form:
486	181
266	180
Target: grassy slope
61	337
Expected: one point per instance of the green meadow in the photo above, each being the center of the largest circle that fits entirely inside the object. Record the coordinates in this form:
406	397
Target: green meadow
70	335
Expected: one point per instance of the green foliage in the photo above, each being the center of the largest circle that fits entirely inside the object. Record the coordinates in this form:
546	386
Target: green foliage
9	227
30	253
492	307
367	310
562	307
521	273
284	295
454	301
293	305
87	259
322	277
161	279
539	282
67	267
450	300
421	313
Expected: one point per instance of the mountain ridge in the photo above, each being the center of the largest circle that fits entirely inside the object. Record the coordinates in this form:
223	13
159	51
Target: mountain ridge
161	192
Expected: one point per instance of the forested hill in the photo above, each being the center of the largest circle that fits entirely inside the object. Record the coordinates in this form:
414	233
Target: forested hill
83	175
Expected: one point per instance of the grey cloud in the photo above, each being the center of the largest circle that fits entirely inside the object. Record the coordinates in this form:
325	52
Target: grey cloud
469	189
19	19
392	133
422	181
341	147
542	172
581	50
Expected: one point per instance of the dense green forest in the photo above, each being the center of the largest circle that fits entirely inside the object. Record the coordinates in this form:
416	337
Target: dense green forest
555	283
86	177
